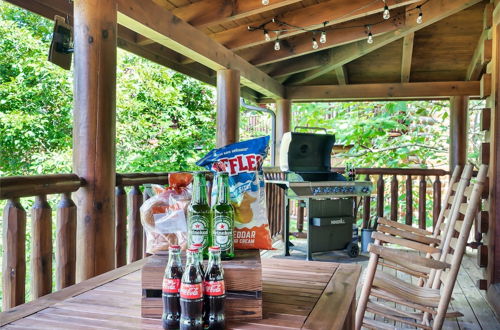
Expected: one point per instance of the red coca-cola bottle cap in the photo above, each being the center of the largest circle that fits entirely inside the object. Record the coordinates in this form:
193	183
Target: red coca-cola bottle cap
174	247
191	250
196	246
214	249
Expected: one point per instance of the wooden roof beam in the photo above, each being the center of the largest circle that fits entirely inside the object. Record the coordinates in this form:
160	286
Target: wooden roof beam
433	11
483	51
208	13
407	57
337	35
332	11
417	90
160	25
342	76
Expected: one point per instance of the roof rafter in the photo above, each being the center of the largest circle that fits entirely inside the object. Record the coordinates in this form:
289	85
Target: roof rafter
342	75
160	25
433	11
332	11
337	35
406	57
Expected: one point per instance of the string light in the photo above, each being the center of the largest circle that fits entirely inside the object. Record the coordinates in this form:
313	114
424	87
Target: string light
370	35
315	44
420	15
267	37
386	14
284	27
322	39
277	45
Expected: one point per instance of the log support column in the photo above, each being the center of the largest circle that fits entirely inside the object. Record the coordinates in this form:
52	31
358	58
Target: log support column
459	106
283	122
94	133
228	107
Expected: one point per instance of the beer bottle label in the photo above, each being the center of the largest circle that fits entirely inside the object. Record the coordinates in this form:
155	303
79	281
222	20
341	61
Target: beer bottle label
223	235
191	291
171	285
214	288
199	230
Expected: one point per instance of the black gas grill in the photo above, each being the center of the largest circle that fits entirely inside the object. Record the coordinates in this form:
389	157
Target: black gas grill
329	198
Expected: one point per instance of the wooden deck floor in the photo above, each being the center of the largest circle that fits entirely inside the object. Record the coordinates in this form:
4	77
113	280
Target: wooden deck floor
467	298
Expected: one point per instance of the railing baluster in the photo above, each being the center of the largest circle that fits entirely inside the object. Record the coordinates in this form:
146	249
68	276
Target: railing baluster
121	226
436	200
394	198
409	201
300	217
65	242
422	187
366	208
41	247
14	254
380	196
134	224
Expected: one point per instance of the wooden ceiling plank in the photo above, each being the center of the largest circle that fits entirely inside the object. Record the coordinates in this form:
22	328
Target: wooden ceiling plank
208	13
342	76
337	35
160	25
417	90
332	11
433	11
406	57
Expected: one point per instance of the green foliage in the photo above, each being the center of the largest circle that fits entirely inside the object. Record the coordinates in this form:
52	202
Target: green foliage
383	134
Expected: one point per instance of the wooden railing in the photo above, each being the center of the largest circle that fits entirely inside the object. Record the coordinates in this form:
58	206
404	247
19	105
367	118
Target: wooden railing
422	183
128	223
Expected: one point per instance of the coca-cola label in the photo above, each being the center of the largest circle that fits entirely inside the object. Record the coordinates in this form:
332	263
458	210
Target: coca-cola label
171	285
214	288
223	232
191	291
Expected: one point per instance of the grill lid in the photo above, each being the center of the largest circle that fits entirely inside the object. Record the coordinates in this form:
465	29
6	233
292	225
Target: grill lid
306	152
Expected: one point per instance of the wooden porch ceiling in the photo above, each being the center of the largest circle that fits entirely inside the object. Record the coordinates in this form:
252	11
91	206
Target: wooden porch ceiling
207	35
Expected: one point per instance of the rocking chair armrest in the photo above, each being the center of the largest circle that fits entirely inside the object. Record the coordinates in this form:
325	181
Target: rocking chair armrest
402	226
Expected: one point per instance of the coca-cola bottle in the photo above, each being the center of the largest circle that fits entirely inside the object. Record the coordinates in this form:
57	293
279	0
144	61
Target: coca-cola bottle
170	289
215	293
199	247
191	293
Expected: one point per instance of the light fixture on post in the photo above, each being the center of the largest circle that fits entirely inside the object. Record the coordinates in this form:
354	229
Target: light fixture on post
386	14
420	18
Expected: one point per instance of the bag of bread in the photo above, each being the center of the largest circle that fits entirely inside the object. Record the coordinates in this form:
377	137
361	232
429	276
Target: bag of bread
163	216
243	161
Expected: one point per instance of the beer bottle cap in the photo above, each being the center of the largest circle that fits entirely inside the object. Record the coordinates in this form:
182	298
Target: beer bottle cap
174	247
214	249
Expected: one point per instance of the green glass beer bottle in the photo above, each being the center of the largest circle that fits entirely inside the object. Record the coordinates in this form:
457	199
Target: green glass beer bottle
223	218
199	215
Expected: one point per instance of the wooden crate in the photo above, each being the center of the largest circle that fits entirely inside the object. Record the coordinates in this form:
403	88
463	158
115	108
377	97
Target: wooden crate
242	276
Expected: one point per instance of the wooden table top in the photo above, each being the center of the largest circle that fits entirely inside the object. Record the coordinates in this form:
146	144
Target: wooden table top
296	294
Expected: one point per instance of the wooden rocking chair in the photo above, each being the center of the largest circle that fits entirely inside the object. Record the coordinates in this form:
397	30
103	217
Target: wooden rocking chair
440	267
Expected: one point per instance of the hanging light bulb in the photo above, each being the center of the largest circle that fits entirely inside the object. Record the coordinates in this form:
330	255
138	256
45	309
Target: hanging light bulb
420	17
315	44
277	45
265	2
386	14
370	38
322	38
267	37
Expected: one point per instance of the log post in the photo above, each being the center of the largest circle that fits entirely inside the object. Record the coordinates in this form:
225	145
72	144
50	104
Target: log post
228	107
94	133
121	226
459	106
14	254
283	122
41	247
65	242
